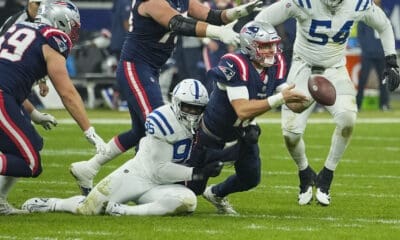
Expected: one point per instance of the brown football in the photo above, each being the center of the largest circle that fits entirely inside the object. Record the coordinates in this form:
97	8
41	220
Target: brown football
322	90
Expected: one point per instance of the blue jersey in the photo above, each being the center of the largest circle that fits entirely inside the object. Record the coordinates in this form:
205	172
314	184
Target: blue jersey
21	57
237	70
147	40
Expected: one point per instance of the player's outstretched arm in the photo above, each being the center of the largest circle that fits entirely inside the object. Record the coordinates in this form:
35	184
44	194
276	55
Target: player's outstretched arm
46	120
56	68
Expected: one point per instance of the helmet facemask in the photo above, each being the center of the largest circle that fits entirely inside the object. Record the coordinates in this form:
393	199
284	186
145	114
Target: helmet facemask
189	99
265	53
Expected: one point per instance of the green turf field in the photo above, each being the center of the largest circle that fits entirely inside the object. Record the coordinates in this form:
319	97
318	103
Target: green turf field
365	192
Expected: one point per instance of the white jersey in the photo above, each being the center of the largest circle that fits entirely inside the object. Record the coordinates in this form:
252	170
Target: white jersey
166	145
322	35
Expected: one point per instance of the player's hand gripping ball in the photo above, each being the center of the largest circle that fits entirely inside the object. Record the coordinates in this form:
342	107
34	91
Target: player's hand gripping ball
322	90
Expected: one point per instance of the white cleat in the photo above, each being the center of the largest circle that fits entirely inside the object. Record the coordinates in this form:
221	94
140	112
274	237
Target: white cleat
114	209
84	176
39	205
306	196
7	209
323	198
221	203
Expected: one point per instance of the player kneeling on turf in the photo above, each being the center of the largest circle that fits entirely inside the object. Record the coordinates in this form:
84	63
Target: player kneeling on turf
149	178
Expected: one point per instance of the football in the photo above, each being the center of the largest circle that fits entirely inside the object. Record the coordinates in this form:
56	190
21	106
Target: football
322	90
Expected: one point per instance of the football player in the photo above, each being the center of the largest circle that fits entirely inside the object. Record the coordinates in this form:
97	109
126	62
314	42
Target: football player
28	52
29	14
323	28
148	44
148	179
244	86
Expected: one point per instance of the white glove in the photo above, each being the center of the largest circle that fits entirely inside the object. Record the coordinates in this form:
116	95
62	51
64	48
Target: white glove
223	33
44	119
96	140
243	10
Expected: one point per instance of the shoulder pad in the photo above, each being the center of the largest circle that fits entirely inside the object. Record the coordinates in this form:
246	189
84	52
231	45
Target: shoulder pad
160	124
58	40
362	5
235	63
303	3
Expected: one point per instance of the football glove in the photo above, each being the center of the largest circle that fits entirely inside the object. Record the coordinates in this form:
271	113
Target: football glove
96	140
224	33
243	10
251	134
212	169
46	120
392	76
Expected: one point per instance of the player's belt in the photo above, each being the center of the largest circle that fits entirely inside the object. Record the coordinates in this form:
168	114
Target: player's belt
317	70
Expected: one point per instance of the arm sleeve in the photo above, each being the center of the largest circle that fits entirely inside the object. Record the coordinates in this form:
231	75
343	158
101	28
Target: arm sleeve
240	92
278	12
376	18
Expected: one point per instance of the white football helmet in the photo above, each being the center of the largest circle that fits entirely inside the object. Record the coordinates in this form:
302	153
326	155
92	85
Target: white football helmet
61	14
332	4
189	99
257	35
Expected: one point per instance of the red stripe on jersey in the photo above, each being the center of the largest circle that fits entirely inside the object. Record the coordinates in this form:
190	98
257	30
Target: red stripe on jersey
118	143
137	89
241	65
3	164
281	66
50	31
18	137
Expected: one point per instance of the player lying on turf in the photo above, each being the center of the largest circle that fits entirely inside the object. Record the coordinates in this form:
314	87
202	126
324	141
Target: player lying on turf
28	52
148	179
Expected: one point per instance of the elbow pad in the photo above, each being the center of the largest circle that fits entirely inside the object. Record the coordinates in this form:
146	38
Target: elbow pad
182	26
214	17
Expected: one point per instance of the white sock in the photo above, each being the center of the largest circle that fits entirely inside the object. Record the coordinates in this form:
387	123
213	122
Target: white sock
68	204
338	146
297	149
6	183
341	138
100	159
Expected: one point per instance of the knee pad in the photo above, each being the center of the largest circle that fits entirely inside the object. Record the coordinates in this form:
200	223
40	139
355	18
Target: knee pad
291	139
345	122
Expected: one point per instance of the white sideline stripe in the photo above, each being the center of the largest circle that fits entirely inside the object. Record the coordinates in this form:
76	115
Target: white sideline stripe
260	120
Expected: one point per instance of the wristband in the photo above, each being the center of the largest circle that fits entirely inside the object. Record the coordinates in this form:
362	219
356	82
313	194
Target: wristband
276	100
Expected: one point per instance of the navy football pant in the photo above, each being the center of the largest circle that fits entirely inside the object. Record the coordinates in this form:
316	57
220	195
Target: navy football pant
246	160
19	142
140	87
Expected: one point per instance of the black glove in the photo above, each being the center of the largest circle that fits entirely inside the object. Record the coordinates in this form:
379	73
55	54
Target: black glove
251	134
391	74
212	169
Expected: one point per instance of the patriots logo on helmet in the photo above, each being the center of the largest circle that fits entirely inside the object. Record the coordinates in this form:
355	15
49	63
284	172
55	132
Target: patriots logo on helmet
252	30
229	73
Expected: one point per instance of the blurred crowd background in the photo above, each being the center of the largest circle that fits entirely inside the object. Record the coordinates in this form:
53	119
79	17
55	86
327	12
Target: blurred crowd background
93	61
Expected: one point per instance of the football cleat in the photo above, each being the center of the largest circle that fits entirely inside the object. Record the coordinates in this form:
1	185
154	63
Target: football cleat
323	184
221	203
307	181
39	205
114	209
323	197
7	209
84	176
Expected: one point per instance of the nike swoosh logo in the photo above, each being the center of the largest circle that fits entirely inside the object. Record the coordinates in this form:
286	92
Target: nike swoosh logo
229	64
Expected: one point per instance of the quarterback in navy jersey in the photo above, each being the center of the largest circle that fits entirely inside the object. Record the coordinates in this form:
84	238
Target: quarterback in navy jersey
244	87
148	44
28	52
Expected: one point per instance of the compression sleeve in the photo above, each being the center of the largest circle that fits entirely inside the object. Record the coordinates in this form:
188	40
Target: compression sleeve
182	25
